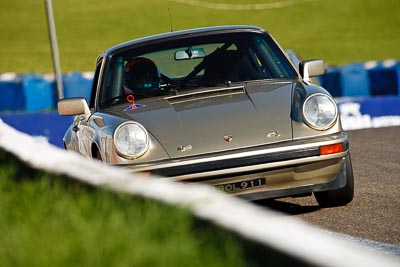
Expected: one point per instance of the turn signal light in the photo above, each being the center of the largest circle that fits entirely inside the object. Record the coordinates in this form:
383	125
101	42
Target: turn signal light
331	149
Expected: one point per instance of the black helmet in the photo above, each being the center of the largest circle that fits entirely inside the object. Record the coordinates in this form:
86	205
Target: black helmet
141	77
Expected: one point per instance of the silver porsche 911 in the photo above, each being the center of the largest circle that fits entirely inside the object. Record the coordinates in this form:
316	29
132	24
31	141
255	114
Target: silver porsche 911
219	105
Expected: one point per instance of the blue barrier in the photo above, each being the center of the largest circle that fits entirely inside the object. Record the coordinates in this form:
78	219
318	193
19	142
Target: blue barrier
33	92
354	80
38	93
49	125
76	84
384	77
11	94
363	79
331	81
369	112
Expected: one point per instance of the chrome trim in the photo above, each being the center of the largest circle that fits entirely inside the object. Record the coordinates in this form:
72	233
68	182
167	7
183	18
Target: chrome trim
254	168
277	148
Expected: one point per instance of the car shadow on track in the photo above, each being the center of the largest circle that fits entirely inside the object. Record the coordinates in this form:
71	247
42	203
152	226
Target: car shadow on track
287	207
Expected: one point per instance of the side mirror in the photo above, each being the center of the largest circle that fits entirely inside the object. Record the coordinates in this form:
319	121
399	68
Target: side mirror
311	68
73	106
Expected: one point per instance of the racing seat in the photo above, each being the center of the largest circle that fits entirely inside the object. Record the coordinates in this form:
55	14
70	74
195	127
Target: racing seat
219	66
230	65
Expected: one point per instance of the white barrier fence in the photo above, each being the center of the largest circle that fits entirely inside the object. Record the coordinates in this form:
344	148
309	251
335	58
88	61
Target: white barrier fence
290	236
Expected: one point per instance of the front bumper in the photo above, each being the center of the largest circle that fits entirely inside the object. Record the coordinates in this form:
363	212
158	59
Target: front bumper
289	168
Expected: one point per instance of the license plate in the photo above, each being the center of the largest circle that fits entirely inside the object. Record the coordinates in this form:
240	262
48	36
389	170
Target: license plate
242	185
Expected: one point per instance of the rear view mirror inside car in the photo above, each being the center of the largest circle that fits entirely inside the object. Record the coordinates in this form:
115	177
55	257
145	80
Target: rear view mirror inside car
189	53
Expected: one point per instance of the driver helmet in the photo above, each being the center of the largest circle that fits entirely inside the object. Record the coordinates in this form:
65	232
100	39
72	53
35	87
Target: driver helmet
141	77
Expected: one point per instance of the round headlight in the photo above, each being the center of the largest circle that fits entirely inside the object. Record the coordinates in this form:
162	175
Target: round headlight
131	140
320	111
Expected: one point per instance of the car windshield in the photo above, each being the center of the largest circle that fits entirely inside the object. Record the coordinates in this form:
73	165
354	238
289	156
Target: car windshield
189	63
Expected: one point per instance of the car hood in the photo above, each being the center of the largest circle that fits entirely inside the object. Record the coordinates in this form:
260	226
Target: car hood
218	119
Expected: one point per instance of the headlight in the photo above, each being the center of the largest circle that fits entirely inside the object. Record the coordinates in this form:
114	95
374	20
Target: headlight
320	111
131	140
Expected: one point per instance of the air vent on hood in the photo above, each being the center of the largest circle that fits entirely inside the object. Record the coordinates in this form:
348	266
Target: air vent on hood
205	94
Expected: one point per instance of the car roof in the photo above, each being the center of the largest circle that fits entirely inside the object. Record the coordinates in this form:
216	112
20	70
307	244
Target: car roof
192	32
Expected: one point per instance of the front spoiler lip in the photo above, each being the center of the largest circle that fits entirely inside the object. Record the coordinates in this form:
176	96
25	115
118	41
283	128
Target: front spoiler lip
263	158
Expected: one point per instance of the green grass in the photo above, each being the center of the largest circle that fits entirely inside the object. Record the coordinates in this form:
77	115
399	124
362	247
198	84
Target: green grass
339	31
48	220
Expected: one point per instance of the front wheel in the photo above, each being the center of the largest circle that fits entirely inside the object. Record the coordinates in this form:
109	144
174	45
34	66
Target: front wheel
96	154
341	196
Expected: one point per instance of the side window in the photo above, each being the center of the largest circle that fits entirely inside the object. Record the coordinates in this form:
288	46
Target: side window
273	62
95	83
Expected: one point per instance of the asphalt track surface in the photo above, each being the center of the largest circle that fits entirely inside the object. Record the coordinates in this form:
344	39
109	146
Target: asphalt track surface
374	213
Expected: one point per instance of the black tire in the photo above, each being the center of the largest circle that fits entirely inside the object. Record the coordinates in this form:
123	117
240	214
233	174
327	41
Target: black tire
341	196
96	154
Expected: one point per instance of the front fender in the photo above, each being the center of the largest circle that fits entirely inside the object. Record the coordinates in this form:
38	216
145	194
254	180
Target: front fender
300	128
103	139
